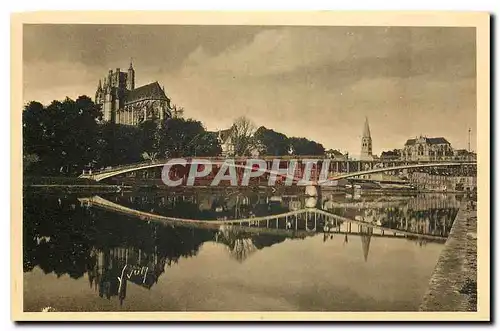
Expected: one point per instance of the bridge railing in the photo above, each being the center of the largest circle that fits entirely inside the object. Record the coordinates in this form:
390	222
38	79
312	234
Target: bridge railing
209	158
121	167
242	159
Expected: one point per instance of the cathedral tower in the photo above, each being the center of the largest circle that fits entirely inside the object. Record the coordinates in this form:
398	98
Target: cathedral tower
366	143
130	77
98	93
122	103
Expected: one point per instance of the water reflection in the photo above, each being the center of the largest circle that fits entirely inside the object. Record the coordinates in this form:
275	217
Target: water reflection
430	214
61	236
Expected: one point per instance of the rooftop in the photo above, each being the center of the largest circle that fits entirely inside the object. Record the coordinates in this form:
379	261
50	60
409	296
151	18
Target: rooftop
431	141
145	92
224	134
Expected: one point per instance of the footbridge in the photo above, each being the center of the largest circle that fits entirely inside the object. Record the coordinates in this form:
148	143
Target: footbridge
109	172
396	168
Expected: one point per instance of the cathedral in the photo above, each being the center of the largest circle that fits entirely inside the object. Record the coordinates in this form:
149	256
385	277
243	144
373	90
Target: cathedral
122	103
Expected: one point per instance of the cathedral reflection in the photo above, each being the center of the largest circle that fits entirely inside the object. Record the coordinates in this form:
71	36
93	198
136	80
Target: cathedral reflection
110	270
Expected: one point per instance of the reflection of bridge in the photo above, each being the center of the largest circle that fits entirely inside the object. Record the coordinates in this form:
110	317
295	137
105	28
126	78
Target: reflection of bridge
370	167
303	222
416	203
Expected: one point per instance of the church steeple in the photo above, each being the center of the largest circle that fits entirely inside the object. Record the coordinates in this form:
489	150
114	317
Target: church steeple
366	143
366	130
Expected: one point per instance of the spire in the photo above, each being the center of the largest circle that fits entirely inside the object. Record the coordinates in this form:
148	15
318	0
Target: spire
366	130
131	77
99	87
366	235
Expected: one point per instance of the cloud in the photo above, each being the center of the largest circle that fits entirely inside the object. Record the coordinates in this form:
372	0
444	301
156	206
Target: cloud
279	50
321	82
317	82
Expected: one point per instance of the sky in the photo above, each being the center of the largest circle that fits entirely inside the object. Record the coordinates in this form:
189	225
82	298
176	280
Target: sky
318	82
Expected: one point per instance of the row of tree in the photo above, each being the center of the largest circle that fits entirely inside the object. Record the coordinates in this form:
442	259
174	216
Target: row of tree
66	136
275	143
263	141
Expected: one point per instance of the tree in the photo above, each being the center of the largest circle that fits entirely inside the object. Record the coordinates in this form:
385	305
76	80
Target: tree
241	136
150	139
180	137
62	135
303	146
207	144
119	144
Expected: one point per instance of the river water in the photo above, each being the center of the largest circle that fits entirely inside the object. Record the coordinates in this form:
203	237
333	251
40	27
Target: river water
81	257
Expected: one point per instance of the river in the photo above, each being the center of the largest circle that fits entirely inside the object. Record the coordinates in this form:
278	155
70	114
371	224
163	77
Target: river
78	257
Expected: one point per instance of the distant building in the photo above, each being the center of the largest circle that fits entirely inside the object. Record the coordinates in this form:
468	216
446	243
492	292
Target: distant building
226	143
225	138
121	102
366	143
393	155
427	149
464	155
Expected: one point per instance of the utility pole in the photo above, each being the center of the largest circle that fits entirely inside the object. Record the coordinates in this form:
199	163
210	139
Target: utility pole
469	142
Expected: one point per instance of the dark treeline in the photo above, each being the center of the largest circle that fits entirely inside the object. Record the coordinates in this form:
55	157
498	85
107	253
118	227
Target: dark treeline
276	143
59	235
65	137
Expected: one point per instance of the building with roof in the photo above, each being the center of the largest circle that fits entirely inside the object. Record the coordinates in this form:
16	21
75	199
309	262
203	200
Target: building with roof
427	149
366	143
335	155
226	142
464	155
121	102
394	155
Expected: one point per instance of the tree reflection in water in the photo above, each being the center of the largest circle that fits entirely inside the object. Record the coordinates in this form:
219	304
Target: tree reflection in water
101	244
241	245
62	237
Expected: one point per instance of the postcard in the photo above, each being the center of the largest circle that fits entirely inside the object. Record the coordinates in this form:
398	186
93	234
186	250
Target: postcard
306	166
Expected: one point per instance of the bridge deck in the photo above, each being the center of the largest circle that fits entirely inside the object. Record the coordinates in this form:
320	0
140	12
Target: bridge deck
114	171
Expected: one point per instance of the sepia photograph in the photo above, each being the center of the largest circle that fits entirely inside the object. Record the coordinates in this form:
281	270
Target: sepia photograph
265	166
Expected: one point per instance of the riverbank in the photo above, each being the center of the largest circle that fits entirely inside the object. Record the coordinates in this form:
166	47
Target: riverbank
453	284
68	185
76	185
